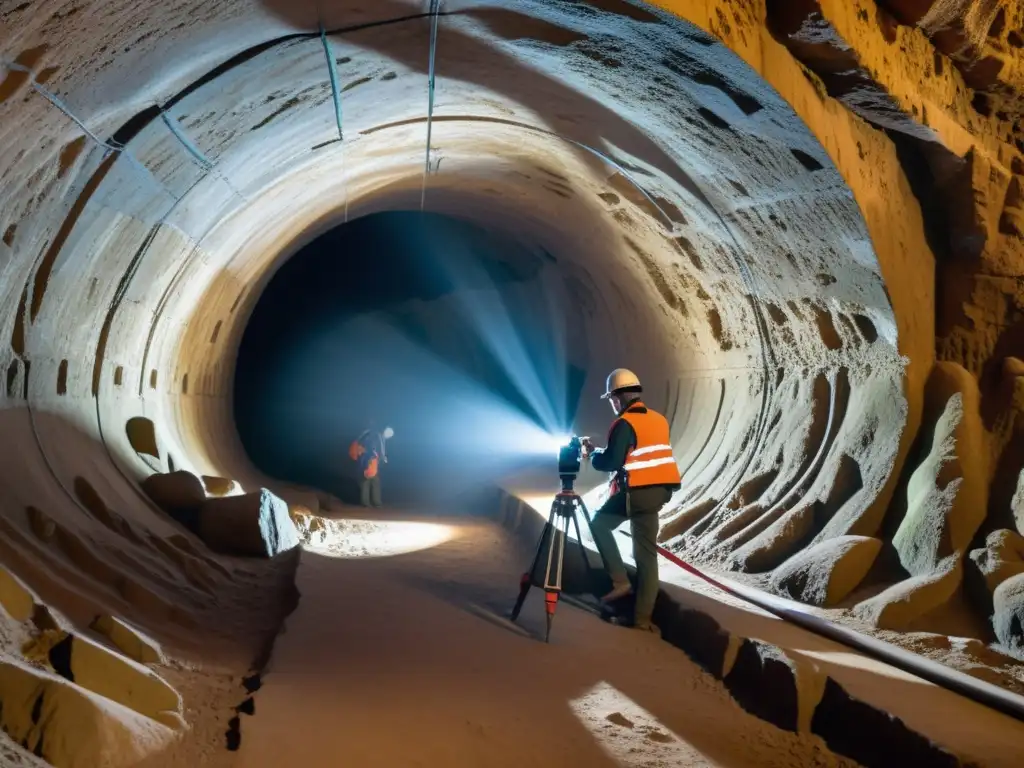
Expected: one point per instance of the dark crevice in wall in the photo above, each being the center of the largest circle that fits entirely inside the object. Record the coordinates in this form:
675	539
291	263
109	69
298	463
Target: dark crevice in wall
18	333
62	378
12	378
806	160
141	433
925	188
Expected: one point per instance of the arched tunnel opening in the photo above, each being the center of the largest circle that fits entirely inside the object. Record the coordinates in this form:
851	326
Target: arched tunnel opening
239	239
450	333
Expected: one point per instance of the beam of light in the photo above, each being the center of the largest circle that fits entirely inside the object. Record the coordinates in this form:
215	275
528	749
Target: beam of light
452	433
467	363
552	443
489	316
629	734
348	539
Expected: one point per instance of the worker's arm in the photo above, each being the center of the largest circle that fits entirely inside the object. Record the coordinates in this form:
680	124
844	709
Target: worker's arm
620	441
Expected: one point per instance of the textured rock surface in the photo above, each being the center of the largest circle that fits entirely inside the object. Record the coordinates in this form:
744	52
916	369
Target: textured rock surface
1001	558
15	597
832	190
1008	614
69	726
772	546
827	572
947	493
129	640
1017	504
118	679
255	524
903	603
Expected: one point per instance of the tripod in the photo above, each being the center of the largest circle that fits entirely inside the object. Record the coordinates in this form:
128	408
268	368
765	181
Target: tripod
552	539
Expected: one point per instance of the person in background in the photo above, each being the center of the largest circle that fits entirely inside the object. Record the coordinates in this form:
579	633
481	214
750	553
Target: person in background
368	451
639	453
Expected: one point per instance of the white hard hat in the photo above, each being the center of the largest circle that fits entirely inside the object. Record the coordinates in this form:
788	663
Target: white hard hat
388	433
618	380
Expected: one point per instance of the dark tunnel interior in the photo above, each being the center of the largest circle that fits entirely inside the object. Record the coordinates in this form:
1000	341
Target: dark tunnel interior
405	319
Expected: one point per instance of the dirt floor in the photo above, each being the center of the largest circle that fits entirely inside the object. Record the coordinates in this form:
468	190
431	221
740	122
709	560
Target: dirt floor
400	652
405	660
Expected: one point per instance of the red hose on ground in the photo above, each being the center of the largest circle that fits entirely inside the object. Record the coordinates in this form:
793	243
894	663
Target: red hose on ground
984	693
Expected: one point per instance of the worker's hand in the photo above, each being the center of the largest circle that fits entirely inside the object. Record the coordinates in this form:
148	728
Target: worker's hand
588	447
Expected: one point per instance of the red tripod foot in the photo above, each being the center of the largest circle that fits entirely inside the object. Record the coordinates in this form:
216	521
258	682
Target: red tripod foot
550	603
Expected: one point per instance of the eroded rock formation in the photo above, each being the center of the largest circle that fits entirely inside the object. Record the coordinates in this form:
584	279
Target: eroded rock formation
811	211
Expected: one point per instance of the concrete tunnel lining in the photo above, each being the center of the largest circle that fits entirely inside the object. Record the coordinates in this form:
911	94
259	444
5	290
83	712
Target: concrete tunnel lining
167	253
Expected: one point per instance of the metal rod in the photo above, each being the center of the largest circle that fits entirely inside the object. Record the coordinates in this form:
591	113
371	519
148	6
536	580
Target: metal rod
333	71
434	10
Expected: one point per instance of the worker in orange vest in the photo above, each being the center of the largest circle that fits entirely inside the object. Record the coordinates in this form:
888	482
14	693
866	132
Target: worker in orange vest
368	452
645	475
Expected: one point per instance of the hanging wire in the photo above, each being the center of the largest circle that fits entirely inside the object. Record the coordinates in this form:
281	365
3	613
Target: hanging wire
435	8
332	71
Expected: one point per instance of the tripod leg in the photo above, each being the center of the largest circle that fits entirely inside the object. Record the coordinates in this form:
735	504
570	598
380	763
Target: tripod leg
524	589
550	603
553	577
526	578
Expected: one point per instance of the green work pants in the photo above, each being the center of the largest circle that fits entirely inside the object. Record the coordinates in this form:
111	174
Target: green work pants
641	509
369	491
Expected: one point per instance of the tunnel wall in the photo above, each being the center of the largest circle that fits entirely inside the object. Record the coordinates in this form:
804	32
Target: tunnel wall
189	230
766	244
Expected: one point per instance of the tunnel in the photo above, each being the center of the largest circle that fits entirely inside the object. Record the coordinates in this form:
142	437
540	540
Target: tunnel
816	280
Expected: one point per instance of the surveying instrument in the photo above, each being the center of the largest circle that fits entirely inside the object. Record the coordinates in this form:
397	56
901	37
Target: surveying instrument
546	570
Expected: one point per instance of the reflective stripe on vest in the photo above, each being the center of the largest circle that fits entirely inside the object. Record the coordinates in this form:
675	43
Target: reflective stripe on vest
651	461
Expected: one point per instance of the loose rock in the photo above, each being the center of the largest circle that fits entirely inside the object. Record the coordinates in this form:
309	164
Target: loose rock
254	525
902	603
179	494
1001	558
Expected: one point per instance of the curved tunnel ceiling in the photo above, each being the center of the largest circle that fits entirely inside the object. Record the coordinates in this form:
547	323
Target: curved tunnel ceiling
150	190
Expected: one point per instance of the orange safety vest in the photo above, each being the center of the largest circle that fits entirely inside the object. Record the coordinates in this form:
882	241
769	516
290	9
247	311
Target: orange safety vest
356	451
650	461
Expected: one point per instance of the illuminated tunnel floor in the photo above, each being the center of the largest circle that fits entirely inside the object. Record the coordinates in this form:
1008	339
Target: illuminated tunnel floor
398	655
